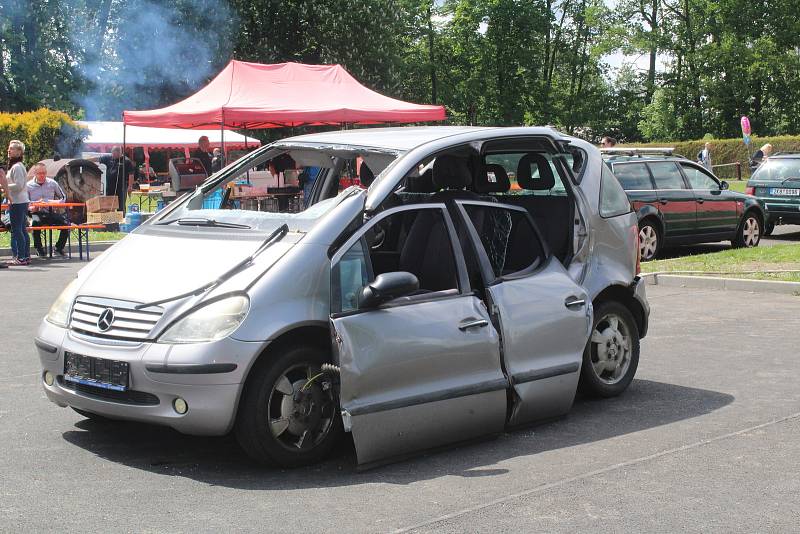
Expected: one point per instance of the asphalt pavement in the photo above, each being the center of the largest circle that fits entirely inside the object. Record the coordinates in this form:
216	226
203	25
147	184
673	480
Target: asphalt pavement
706	439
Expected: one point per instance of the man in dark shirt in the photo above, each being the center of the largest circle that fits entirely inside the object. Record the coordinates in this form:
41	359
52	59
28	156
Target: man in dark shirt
203	153
119	174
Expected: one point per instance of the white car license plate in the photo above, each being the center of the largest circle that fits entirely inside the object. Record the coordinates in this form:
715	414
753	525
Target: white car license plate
784	192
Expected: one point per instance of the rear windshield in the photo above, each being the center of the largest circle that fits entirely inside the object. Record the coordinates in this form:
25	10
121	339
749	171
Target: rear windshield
273	186
778	170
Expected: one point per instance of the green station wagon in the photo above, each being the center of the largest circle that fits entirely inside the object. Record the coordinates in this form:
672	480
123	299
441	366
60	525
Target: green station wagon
777	183
679	202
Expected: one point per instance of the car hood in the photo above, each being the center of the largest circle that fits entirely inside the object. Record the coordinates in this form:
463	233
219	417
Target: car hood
146	268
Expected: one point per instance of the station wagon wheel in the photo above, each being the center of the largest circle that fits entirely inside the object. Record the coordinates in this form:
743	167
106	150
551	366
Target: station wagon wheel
612	353
649	241
749	232
288	414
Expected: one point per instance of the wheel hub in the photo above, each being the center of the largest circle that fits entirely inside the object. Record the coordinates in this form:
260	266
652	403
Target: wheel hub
302	409
611	349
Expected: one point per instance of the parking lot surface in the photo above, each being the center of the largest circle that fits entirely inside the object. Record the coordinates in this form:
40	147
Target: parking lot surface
707	439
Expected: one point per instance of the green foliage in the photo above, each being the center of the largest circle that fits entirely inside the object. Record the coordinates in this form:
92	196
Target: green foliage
44	132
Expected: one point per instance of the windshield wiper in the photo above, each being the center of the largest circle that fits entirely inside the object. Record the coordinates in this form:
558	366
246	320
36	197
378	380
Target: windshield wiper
202	221
790	178
274	237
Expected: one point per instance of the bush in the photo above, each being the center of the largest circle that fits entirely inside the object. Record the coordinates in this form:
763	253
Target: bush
728	151
44	133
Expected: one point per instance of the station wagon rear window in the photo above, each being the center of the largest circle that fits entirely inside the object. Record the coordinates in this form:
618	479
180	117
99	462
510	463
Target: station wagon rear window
633	176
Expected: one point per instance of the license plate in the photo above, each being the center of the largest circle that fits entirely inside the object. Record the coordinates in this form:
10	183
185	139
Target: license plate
96	372
784	192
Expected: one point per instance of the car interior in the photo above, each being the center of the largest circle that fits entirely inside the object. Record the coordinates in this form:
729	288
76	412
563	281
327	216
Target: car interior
418	241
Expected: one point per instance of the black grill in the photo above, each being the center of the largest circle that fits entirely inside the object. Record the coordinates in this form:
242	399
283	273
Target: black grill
138	398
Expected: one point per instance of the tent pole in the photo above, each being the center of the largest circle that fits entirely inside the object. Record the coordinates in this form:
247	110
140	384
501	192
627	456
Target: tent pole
124	155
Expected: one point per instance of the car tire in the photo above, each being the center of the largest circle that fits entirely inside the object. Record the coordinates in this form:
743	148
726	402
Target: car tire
273	424
769	227
649	240
749	232
611	355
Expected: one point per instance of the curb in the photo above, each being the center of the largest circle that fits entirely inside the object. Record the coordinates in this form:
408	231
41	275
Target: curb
96	246
730	284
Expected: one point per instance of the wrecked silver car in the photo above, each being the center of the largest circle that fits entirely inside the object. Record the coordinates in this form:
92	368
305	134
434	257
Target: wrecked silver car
443	283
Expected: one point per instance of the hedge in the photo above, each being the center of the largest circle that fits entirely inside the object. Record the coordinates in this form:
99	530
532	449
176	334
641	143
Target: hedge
728	151
44	133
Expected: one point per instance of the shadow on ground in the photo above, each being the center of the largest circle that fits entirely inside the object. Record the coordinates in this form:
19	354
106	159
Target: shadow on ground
220	462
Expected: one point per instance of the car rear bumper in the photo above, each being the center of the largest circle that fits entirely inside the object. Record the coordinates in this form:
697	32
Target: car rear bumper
640	294
208	376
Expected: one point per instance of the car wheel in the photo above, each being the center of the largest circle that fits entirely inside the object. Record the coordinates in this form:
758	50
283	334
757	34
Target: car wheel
612	353
769	228
649	241
749	232
288	413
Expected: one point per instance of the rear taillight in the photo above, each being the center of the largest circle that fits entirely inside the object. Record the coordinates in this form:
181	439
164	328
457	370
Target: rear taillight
749	190
635	231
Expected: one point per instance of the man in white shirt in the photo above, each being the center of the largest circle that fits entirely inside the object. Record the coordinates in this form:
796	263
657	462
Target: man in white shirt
13	184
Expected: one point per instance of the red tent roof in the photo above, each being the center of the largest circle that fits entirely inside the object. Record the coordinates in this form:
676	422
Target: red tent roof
252	95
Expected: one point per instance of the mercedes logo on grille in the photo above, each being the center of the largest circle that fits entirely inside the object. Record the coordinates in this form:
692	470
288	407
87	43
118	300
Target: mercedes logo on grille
105	320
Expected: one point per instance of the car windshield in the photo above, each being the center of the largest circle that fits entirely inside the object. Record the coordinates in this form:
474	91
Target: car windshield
275	185
778	170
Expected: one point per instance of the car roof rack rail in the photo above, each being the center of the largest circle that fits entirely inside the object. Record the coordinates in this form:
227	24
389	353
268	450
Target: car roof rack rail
641	151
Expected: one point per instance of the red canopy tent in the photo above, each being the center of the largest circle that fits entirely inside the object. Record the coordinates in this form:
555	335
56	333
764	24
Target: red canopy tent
253	95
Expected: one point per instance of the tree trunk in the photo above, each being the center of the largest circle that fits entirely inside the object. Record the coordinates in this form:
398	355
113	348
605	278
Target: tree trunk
431	58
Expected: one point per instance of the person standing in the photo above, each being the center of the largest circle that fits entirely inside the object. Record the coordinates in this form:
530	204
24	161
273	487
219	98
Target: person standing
203	154
608	142
704	157
15	188
761	154
119	174
43	189
218	161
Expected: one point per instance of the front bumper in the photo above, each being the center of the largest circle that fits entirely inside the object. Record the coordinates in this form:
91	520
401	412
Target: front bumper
208	376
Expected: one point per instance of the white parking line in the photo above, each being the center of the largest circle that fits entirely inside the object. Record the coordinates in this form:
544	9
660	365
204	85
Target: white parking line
590	474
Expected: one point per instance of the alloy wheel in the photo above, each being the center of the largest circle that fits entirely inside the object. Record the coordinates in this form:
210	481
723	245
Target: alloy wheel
611	349
751	232
648	242
301	408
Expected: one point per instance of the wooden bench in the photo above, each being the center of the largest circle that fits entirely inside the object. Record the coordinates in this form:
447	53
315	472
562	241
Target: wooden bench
83	236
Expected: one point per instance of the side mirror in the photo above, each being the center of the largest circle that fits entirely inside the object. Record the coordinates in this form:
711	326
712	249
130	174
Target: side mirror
723	185
386	287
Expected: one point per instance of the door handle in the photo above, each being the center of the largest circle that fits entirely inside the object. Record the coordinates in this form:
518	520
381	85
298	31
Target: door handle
478	323
663	201
700	200
573	302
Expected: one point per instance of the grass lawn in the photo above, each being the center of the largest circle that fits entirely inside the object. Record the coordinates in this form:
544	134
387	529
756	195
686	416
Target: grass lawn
735	263
5	237
737	185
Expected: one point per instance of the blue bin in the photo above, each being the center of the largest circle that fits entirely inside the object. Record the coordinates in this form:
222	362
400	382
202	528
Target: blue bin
213	201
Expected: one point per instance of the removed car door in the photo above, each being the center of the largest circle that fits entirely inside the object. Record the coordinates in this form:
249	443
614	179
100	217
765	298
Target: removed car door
419	370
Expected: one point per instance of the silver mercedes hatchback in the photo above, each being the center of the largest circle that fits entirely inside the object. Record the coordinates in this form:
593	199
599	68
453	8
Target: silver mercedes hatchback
431	285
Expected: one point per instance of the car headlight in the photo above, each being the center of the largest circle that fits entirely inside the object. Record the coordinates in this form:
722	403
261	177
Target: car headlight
59	311
208	323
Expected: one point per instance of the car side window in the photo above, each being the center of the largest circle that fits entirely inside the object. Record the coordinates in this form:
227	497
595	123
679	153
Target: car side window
699	179
633	176
667	175
507	237
412	240
613	200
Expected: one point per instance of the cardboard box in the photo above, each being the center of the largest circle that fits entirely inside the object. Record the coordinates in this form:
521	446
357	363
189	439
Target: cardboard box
102	204
108	217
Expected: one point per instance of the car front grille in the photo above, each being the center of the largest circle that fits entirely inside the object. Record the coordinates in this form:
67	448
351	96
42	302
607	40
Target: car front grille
128	323
138	398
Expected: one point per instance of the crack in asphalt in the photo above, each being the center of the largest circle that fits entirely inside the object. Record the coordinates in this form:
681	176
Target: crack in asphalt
608	469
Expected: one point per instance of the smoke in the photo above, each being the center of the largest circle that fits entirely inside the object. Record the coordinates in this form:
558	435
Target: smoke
154	53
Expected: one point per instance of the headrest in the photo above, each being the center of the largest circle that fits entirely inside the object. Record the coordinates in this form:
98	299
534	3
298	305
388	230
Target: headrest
365	175
422	183
544	179
494	180
451	172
